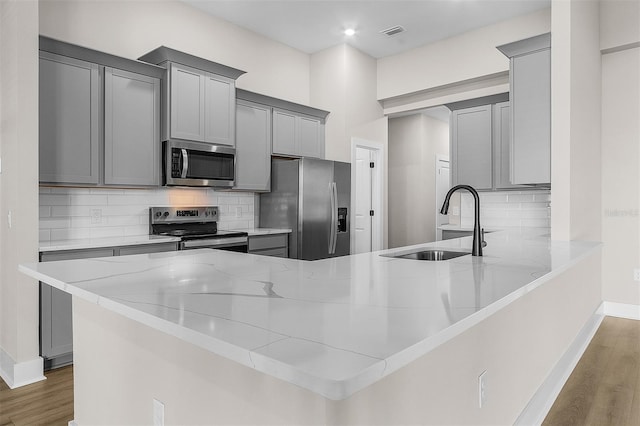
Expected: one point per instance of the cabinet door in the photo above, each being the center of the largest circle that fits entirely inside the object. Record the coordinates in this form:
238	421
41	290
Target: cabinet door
531	118
147	248
220	110
471	150
310	137
284	132
187	101
132	125
502	147
253	147
68	120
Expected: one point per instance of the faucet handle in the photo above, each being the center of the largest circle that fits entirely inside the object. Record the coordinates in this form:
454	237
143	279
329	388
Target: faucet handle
484	243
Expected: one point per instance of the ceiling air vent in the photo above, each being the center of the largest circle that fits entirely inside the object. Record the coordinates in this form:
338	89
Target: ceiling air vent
393	31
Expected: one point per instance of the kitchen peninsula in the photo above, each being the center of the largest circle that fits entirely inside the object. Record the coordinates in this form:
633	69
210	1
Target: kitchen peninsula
222	337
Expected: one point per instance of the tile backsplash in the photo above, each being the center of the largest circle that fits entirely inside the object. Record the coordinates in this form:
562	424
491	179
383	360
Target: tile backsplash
531	208
71	213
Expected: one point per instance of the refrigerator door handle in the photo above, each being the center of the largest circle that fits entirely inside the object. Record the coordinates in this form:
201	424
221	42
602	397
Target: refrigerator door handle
333	238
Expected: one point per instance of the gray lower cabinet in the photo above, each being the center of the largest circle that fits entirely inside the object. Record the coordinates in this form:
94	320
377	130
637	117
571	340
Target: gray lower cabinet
276	245
297	135
56	328
253	146
471	147
56	325
530	90
69	107
131	128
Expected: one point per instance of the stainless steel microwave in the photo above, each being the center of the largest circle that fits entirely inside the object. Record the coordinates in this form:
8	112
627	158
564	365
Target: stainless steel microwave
189	163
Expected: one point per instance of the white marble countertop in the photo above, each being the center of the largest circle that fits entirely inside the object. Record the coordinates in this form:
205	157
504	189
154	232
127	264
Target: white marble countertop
332	326
89	243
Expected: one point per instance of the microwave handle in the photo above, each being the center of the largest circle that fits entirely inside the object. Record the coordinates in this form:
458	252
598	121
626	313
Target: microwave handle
185	164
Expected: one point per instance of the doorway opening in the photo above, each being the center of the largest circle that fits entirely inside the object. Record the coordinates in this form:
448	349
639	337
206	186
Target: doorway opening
366	189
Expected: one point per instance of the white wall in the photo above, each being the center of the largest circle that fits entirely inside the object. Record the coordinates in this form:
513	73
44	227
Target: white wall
414	143
620	29
464	57
19	360
575	126
131	28
343	81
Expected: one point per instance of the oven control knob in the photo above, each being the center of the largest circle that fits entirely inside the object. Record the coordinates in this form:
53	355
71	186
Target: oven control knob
158	214
165	214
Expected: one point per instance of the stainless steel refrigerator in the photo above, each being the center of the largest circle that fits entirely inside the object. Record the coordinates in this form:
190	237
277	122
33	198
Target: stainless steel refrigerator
311	197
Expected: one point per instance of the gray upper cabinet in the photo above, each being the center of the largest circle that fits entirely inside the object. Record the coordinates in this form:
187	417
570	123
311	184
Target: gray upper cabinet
220	110
297	134
99	117
187	103
253	146
132	128
502	147
296	130
199	100
471	147
310	137
284	132
530	87
69	120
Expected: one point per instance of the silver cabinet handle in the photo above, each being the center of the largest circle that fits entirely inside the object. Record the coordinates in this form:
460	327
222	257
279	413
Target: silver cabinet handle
185	163
333	240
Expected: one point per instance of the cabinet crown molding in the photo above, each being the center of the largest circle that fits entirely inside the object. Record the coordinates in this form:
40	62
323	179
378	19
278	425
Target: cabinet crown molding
527	45
165	54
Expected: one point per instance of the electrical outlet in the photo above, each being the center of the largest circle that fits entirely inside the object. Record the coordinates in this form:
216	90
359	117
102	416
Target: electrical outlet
636	274
96	216
238	211
158	413
482	389
9	221
456	211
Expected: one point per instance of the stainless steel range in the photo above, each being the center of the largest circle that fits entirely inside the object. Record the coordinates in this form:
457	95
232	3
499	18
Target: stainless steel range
197	227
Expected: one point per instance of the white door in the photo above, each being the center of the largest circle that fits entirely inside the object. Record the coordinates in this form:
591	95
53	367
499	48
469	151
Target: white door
442	187
364	199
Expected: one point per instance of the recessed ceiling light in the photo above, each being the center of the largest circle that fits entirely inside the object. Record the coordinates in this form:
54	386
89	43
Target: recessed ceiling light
349	32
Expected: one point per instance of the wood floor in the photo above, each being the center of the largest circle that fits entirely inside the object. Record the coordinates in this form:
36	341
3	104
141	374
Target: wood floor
603	390
49	402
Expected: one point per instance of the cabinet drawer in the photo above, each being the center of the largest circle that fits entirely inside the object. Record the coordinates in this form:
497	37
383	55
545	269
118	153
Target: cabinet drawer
148	248
268	242
275	252
75	254
448	234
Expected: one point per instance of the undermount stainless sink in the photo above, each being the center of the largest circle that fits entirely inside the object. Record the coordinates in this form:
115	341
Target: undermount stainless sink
430	254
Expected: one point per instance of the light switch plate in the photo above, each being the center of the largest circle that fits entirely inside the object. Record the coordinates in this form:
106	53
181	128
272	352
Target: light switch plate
636	274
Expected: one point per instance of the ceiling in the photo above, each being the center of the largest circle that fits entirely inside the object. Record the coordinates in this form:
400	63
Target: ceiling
311	25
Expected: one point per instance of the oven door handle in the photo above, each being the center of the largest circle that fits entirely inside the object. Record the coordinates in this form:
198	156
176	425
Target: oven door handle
185	163
215	242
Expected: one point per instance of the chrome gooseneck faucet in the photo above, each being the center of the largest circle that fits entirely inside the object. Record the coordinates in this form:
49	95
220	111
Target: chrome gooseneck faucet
478	233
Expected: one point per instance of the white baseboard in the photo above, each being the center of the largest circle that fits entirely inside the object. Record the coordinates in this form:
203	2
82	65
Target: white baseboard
539	406
622	310
20	374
